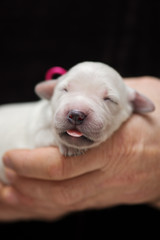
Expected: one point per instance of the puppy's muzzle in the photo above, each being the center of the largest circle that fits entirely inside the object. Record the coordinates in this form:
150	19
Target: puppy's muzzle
76	117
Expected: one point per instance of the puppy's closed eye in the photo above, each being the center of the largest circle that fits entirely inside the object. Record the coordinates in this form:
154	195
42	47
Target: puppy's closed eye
63	89
110	99
106	98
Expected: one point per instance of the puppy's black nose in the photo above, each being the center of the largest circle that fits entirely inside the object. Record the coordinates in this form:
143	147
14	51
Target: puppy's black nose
76	117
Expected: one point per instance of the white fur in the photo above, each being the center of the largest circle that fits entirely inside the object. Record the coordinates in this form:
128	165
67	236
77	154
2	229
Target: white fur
37	124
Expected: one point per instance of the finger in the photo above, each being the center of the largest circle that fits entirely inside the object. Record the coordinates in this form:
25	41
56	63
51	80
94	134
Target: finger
60	193
11	196
21	206
10	213
49	164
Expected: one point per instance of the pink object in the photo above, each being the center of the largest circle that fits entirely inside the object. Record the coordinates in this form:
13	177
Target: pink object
74	133
54	70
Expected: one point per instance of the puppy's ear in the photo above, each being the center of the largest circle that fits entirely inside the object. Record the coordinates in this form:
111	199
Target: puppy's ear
139	102
45	89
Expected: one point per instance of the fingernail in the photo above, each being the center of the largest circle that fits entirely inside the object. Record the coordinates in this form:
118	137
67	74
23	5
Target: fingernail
7	162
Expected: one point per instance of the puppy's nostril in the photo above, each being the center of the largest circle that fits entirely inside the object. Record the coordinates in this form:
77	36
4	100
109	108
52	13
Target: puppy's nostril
70	116
76	117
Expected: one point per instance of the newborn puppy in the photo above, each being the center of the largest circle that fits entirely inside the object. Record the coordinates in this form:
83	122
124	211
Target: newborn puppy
78	111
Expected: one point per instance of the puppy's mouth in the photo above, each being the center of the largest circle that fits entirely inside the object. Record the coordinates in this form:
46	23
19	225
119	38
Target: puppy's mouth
74	133
76	138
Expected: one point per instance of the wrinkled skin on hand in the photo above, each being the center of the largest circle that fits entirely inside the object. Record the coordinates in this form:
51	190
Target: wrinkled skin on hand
123	170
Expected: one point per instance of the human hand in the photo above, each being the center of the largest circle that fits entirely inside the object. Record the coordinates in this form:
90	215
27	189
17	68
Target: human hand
13	213
123	170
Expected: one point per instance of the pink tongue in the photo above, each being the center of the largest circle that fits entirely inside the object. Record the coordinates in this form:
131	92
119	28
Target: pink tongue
74	133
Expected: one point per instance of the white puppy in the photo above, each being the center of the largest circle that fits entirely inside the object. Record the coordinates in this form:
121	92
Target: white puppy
79	110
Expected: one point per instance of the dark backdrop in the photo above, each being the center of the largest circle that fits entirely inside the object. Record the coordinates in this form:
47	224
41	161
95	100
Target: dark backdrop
35	35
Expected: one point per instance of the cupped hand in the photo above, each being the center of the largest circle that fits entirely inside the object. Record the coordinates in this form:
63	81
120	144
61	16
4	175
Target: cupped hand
123	170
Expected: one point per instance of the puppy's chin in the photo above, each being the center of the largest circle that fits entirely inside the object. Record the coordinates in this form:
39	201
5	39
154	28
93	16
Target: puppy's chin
79	142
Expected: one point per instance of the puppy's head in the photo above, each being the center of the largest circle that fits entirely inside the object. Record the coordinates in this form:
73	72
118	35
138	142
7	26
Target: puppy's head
89	103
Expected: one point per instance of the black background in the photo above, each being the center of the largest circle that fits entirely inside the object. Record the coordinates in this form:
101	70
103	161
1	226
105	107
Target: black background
36	35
